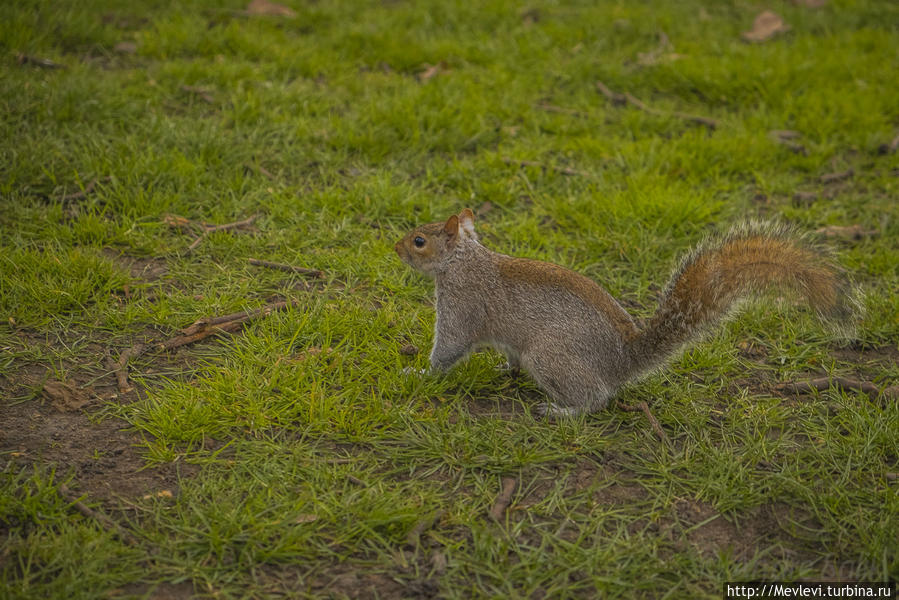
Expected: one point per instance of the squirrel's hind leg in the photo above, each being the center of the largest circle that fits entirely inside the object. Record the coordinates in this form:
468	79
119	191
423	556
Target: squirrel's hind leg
574	388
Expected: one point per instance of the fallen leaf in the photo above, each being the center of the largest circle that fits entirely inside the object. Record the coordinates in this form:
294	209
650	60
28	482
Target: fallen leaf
765	27
431	71
125	47
273	9
311	351
305	518
159	494
849	232
63	396
176	221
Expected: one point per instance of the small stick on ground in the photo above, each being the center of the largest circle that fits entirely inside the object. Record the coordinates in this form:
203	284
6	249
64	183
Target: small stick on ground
261	170
626	98
644	407
209	229
90	513
205	328
289	268
504	498
423	524
355	480
823	384
530	163
121	367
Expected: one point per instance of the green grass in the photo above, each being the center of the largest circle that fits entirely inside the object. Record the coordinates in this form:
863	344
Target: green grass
753	486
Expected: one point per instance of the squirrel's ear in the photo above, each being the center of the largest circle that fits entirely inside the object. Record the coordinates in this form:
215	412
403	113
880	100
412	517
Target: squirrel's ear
466	221
452	225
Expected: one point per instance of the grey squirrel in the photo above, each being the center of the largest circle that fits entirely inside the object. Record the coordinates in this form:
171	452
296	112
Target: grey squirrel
570	335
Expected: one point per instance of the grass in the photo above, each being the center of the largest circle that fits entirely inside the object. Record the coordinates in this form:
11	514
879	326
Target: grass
308	457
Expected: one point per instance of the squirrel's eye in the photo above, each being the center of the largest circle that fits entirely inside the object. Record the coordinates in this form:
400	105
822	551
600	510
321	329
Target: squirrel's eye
419	242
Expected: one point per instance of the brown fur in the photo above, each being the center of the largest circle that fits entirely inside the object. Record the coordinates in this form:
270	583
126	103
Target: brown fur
554	276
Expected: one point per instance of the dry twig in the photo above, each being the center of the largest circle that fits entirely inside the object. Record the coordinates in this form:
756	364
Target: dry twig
644	407
121	367
90	513
205	328
289	268
261	170
209	229
504	498
626	98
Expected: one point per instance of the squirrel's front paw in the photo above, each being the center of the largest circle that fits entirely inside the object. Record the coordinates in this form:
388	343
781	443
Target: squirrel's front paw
414	371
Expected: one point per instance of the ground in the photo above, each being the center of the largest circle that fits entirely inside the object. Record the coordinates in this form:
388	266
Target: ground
291	453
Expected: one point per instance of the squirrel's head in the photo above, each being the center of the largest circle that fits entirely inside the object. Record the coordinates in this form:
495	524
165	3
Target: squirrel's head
426	248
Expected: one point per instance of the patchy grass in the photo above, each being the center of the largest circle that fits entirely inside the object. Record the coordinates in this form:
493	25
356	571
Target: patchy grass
295	458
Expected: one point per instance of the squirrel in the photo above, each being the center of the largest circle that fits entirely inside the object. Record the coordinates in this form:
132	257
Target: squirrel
573	337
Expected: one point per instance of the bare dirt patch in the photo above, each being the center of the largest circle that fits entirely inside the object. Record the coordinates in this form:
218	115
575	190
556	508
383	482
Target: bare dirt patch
101	455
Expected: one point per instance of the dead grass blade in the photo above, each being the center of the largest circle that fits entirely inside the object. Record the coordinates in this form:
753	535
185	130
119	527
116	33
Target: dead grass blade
644	407
74	500
205	328
209	229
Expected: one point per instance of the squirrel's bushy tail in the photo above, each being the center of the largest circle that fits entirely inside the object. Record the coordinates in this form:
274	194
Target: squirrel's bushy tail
714	277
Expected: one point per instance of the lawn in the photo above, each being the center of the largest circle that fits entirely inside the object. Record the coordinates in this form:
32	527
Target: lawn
290	455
